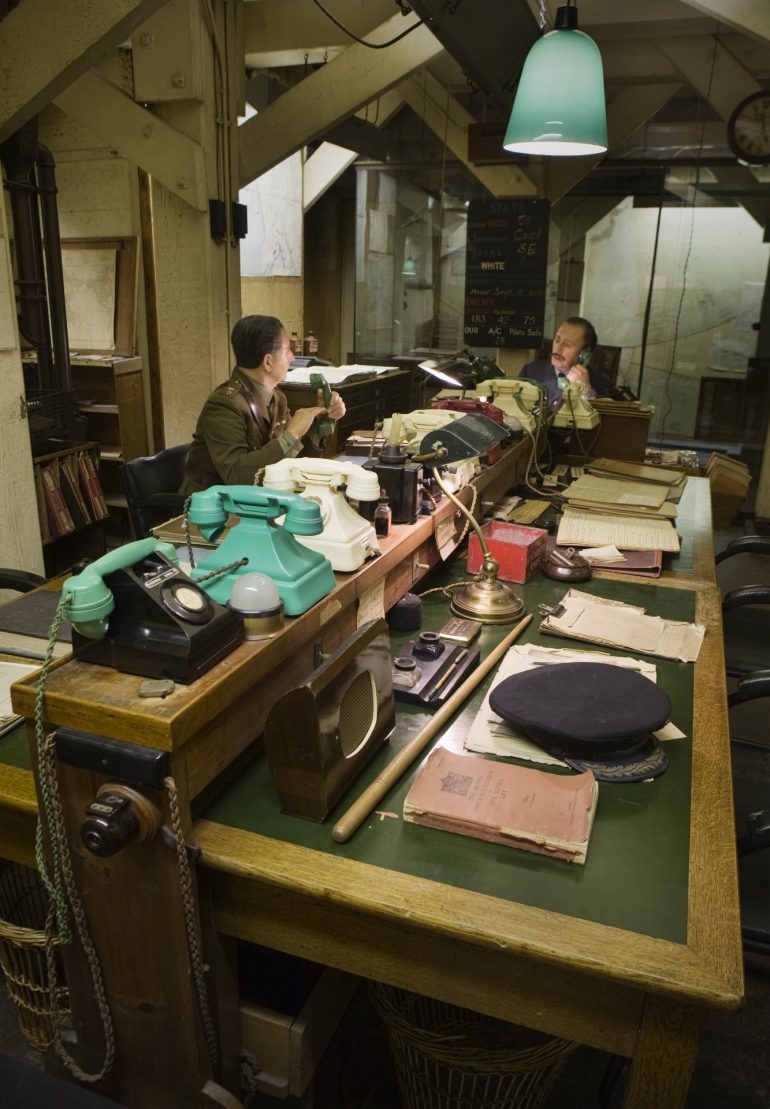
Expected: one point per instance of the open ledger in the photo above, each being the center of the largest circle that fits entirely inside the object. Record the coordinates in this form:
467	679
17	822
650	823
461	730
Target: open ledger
534	810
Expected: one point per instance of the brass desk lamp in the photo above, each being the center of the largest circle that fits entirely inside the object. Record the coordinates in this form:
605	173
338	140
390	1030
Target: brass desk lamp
487	600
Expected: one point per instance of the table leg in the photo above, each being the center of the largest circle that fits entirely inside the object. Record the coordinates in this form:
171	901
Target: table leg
665	1055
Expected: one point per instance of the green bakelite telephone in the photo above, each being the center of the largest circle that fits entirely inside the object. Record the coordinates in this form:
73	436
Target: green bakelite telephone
136	610
257	542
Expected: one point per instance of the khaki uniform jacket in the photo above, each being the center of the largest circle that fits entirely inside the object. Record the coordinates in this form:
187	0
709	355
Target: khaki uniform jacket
237	434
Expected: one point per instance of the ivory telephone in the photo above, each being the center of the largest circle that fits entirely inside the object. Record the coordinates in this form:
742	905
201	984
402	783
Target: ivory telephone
521	400
136	610
258	542
347	539
576	410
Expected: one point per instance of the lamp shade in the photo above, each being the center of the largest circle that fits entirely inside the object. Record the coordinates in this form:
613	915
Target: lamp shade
559	107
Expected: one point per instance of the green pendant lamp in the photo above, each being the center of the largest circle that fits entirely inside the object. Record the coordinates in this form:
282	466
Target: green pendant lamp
559	107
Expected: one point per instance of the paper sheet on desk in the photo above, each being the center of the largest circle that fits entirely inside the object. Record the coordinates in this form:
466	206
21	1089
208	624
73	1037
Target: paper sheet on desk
11	672
490	735
614	624
335	375
584	529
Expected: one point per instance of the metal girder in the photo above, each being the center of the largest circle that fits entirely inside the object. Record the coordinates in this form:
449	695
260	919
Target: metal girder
45	47
711	70
330	95
165	153
450	121
330	161
752	17
630	109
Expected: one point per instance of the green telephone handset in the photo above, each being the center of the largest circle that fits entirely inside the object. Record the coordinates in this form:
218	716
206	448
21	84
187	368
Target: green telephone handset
323	425
256	542
136	610
88	601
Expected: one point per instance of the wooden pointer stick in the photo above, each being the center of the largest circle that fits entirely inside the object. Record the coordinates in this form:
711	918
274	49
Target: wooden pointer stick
353	817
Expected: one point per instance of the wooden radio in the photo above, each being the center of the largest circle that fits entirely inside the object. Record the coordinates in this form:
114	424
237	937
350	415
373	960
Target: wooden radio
320	735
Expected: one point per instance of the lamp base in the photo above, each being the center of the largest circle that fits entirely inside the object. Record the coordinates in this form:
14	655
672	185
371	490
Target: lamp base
489	601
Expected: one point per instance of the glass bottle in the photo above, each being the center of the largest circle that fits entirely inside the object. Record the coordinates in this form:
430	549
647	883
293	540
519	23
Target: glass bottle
294	343
310	343
383	515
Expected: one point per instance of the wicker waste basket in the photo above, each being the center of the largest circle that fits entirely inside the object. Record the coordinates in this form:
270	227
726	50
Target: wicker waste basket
451	1058
23	907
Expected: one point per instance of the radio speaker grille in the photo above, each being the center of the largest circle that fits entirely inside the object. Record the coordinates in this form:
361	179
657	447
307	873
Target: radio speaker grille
358	713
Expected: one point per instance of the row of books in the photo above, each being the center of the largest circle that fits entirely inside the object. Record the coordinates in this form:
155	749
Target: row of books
729	479
69	494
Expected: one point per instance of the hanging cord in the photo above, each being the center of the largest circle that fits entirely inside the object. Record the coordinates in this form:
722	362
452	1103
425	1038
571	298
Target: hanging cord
362	42
670	371
61	887
191	922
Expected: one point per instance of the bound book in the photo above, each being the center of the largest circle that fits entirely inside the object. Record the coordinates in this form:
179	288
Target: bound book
534	810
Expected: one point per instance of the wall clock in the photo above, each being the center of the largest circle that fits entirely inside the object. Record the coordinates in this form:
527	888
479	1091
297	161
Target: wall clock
748	129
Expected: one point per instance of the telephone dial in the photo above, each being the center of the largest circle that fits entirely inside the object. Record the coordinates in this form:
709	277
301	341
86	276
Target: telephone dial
136	610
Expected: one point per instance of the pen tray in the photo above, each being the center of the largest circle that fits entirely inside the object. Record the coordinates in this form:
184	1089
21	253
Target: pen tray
429	670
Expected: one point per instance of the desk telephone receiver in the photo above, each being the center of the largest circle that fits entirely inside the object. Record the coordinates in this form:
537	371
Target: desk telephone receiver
323	425
136	610
258	542
576	410
347	539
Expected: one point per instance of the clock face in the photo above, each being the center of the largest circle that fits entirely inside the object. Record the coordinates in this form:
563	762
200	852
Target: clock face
748	129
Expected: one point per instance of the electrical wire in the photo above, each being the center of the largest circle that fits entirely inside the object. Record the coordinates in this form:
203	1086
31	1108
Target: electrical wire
670	371
363	42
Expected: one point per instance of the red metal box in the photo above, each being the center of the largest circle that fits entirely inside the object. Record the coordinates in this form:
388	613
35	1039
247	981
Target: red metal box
519	550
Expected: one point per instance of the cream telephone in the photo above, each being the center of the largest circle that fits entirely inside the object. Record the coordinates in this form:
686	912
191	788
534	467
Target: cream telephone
347	539
576	410
521	400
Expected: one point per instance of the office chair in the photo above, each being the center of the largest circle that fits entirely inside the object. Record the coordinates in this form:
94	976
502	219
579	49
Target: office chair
21	581
745	615
151	485
751	798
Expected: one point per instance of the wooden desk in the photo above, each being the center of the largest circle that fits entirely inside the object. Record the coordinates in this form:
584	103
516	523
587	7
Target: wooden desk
516	937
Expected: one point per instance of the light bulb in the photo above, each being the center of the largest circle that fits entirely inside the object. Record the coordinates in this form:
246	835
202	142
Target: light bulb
255	596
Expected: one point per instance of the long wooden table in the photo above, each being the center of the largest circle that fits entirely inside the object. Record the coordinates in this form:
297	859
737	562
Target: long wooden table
571	951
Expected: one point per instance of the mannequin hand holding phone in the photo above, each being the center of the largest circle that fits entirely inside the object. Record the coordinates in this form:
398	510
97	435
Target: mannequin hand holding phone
579	373
320	418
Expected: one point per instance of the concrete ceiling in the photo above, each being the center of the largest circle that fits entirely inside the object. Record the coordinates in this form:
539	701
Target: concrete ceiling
674	70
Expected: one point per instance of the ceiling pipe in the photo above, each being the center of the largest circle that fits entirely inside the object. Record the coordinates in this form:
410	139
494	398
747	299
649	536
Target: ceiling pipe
46	178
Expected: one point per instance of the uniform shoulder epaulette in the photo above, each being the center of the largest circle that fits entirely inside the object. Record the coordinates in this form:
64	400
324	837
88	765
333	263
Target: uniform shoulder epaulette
231	388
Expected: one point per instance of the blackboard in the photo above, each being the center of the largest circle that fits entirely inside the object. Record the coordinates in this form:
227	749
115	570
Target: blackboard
506	262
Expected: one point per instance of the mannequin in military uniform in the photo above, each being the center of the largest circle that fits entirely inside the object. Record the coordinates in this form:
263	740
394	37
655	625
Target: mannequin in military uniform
245	423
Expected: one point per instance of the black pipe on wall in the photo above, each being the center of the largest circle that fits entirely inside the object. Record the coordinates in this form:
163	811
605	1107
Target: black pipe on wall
18	155
46	178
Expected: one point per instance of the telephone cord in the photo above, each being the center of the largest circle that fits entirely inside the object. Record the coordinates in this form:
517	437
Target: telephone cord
62	888
191	922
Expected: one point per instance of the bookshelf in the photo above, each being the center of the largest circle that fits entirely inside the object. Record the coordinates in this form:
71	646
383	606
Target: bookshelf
70	505
109	394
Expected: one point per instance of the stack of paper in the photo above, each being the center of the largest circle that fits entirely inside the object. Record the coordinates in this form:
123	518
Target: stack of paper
632	498
637	471
534	810
614	624
580	528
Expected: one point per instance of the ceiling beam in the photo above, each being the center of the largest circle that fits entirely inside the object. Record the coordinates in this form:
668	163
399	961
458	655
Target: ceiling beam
326	164
711	70
45	47
329	95
449	121
626	112
141	136
752	17
275	26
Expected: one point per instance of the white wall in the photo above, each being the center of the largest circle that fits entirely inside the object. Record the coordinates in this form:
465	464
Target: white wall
700	324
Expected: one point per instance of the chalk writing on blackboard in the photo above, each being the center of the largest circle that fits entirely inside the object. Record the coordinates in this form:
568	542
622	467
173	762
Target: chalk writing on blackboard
505	272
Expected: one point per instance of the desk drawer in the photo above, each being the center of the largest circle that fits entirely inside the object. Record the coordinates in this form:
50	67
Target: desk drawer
288	1046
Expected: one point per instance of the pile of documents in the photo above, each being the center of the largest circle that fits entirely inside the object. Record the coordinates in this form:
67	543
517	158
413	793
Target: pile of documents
627	505
729	479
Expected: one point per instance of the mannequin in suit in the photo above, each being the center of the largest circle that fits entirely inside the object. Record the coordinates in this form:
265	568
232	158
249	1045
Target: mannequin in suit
570	360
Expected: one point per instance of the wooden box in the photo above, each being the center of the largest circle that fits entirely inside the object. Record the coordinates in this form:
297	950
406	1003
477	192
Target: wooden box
288	1047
